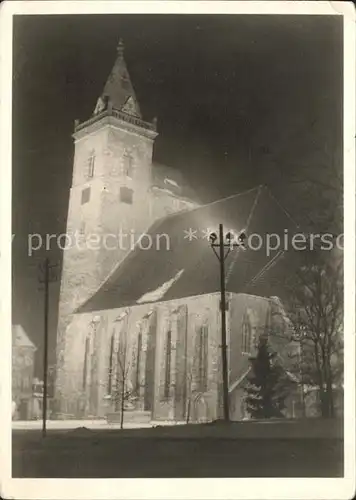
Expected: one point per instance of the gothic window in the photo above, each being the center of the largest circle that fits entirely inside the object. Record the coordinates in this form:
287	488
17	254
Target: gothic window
111	355
126	195
246	336
167	374
203	358
82	227
25	383
86	357
138	360
128	165
91	164
85	195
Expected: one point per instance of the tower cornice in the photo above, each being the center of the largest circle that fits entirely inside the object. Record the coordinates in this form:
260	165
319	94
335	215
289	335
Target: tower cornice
117	118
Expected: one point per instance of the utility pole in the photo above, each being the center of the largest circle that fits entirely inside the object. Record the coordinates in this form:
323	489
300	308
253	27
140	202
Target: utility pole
223	323
47	278
224	242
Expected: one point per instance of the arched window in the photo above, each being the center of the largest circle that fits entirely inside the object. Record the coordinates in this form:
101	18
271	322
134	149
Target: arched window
203	358
111	359
91	165
246	336
82	227
138	361
167	373
128	164
86	359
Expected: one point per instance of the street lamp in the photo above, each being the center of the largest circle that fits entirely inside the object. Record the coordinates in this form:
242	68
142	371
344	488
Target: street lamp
224	244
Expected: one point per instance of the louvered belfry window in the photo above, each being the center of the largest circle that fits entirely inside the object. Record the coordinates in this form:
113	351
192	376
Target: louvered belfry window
126	195
85	195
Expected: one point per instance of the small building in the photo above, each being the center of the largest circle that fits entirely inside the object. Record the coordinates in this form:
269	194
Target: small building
38	391
23	362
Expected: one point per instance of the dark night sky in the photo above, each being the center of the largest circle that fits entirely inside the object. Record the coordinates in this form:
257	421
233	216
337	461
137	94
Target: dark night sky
240	101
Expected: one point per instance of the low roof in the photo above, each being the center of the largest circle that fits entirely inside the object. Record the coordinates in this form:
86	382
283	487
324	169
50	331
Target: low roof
20	337
181	263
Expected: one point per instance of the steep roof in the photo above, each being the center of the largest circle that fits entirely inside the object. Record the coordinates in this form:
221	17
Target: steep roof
20	337
118	89
177	266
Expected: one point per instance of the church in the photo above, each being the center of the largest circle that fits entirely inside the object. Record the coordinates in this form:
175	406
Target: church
139	312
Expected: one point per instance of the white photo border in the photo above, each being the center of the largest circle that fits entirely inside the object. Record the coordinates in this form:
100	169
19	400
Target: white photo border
207	488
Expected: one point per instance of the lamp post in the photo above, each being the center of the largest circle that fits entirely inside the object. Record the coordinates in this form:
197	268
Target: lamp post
224	244
48	275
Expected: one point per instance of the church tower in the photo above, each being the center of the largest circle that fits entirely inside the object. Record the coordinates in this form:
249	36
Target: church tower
109	197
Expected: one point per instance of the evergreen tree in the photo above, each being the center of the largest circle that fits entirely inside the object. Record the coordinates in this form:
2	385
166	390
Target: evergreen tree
266	389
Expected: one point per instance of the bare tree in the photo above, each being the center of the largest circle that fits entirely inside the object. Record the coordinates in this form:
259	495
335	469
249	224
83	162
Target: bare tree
315	308
123	392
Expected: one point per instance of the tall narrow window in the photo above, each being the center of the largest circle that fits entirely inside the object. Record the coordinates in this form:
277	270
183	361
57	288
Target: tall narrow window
203	359
91	165
128	165
139	350
111	363
246	336
167	375
82	227
85	368
85	195
26	382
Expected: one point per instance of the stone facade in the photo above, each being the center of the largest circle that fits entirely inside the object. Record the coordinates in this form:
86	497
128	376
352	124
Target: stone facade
172	353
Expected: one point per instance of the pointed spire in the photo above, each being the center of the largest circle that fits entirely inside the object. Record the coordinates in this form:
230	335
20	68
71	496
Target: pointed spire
120	49
118	89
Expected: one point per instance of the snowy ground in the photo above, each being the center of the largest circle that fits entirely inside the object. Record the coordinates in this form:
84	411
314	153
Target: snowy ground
73	424
264	429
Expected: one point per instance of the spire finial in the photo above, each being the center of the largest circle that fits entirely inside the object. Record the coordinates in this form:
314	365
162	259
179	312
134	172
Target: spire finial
120	48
